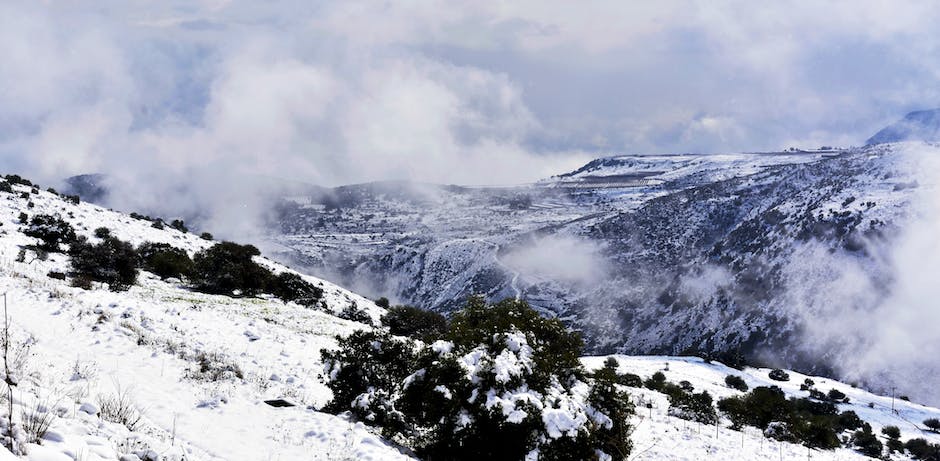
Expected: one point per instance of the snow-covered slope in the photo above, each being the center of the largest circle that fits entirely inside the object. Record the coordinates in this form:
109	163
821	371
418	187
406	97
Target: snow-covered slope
153	342
658	436
923	125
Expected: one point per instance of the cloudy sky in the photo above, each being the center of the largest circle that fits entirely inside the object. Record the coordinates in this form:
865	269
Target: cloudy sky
459	92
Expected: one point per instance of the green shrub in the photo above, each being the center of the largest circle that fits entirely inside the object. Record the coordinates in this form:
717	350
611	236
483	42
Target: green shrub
657	382
164	261
691	406
6	187
17	179
228	268
849	421
758	408
933	424
102	232
921	449
892	432
382	302
478	323
837	396
491	389
111	261
354	313
415	322
205	236
895	445
814	423
630	380
51	231
23	218
778	375
179	225
867	443
289	286
736	382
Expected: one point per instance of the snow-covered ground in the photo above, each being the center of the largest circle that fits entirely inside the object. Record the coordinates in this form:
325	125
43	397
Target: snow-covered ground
147	344
146	341
658	436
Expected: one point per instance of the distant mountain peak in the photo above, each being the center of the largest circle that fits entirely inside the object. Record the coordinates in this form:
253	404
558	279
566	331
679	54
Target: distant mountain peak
921	125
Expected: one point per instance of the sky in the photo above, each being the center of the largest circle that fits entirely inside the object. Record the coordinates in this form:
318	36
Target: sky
468	92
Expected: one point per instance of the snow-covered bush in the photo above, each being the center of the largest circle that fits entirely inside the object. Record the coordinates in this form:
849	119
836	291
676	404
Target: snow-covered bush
502	383
112	261
213	367
778	375
51	230
37	419
119	408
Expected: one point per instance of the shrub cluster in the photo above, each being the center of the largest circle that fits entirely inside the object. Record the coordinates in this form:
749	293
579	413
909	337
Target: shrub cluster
228	268
17	179
923	450
415	322
164	260
683	401
112	261
865	441
51	230
501	383
813	423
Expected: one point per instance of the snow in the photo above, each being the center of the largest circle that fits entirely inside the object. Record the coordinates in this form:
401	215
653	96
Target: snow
657	435
146	342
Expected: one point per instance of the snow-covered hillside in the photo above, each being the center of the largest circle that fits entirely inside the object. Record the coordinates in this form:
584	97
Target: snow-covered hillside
199	368
658	436
151	345
922	125
726	255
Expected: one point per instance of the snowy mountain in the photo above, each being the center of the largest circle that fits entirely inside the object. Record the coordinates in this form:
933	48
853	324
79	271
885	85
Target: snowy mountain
725	255
154	350
923	125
